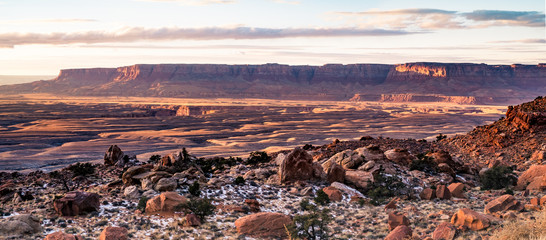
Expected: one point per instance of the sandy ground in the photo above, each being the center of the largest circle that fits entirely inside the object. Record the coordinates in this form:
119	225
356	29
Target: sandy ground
44	131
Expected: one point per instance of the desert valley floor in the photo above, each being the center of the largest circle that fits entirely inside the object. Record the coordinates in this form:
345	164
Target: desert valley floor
45	131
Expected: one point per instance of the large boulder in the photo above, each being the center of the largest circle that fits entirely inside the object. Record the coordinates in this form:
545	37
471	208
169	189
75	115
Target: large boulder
471	219
535	173
114	233
263	225
401	232
113	155
334	172
77	203
359	179
372	153
443	157
442	192
165	202
503	203
166	185
348	159
396	219
456	190
131	192
333	193
444	231
347	190
128	175
298	165
62	236
20	226
399	156
427	194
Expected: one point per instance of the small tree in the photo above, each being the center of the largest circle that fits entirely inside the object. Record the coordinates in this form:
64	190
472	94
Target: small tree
194	189
498	178
154	158
322	198
424	163
257	157
142	203
440	137
82	169
200	207
313	225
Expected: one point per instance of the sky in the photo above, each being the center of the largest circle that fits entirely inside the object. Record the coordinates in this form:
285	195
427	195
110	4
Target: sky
40	37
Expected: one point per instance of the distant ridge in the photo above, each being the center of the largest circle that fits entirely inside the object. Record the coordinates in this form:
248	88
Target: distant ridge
466	83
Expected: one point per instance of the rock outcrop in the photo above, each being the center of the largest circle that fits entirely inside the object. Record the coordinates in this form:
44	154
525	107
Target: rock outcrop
114	156
471	219
503	203
20	226
164	203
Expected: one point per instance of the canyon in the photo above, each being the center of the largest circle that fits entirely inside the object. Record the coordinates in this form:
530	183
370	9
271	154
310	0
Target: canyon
464	83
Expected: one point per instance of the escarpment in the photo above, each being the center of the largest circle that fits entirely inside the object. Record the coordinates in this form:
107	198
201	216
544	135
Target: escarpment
463	83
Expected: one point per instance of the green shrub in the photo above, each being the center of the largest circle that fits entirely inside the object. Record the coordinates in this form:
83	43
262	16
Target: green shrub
305	205
194	189
82	169
200	207
424	163
384	187
257	157
498	178
239	180
154	158
142	203
313	225
322	198
208	165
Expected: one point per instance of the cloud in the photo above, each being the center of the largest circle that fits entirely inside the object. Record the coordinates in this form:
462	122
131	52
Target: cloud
428	18
533	40
193	2
135	34
53	20
517	18
287	2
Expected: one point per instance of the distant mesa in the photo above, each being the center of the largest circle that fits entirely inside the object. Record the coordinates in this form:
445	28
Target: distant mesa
464	83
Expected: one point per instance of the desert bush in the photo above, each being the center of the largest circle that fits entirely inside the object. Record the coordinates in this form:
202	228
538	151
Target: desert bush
154	159
194	189
423	163
239	180
201	207
142	203
498	178
313	225
306	205
257	157
384	187
208	165
532	228
440	137
321	198
82	169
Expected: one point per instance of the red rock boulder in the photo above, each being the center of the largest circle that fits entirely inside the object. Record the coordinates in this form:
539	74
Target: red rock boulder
401	232
400	156
442	192
444	231
427	194
113	155
334	172
298	165
76	203
114	233
396	219
535	173
471	219
253	205
62	236
263	225
333	193
165	202
456	190
503	203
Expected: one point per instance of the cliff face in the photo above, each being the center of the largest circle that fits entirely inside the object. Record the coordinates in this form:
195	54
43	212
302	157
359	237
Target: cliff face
463	83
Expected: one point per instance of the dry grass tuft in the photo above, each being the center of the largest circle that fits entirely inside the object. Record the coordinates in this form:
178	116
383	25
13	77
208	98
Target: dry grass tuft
524	229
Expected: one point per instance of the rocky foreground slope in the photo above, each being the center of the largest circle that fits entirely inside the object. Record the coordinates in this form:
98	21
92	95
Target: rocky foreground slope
375	188
436	82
